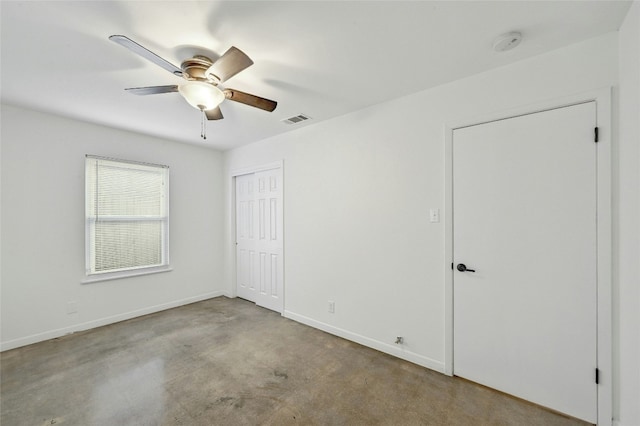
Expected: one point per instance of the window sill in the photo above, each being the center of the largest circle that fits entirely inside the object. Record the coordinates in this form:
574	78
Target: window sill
125	274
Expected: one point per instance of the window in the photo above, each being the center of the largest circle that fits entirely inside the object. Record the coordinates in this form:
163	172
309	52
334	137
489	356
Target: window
127	217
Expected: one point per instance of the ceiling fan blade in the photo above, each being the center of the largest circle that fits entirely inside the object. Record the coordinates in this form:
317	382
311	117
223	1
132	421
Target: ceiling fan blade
231	63
214	114
152	90
251	100
145	53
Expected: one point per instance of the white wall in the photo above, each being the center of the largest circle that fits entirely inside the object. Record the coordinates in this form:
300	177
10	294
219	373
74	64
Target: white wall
43	227
627	226
358	190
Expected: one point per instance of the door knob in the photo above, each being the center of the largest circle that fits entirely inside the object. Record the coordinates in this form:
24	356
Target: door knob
463	268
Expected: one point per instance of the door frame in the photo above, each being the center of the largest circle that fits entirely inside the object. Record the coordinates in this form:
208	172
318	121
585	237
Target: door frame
602	97
234	229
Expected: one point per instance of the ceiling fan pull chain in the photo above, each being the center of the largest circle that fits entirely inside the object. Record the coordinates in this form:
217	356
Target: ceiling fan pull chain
203	126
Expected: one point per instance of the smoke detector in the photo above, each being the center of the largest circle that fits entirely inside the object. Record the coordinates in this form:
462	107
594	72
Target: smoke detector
507	41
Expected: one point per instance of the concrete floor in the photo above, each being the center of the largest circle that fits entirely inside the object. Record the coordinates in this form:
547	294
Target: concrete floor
227	362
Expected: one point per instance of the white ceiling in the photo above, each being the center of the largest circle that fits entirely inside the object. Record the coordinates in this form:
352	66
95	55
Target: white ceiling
323	59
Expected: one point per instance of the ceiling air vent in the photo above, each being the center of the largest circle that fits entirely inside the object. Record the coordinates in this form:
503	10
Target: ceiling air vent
296	119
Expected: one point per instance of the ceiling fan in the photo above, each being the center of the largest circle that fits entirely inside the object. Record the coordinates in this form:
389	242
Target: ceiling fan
203	77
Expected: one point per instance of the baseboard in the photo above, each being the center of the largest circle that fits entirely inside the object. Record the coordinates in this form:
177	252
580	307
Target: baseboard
397	351
52	334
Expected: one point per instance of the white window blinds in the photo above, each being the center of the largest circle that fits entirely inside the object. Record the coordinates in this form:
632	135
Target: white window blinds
127	215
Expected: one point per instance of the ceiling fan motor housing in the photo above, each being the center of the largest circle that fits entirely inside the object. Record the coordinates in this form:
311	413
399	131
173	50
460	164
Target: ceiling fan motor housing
195	69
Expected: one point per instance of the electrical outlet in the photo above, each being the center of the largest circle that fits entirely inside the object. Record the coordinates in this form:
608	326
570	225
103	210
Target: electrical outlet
332	307
434	215
72	307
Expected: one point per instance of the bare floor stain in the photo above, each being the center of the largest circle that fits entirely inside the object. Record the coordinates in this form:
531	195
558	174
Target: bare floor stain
227	362
281	374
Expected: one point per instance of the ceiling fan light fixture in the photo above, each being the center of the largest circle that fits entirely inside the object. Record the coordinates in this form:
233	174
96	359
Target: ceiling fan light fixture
200	95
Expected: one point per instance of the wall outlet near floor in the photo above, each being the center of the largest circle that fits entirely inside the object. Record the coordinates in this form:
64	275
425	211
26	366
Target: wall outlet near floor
434	215
332	307
72	307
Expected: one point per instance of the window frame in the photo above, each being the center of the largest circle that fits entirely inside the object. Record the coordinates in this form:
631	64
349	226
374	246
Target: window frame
90	220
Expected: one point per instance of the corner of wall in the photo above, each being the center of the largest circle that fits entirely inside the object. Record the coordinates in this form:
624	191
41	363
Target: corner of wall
627	225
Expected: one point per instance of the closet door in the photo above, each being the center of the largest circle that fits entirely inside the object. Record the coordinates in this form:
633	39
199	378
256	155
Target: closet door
259	233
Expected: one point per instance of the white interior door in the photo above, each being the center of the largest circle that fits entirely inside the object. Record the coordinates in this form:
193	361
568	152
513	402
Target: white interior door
524	219
245	237
259	238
